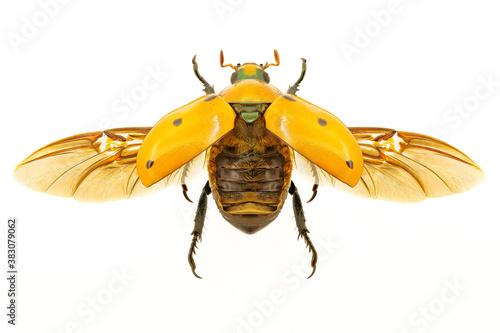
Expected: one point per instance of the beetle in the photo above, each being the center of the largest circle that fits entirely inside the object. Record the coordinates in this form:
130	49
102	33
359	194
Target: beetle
249	137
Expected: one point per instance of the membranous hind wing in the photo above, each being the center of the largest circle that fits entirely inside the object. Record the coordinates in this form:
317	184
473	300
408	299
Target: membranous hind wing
402	166
96	166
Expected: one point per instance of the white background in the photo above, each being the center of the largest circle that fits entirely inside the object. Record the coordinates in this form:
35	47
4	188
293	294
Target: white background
389	261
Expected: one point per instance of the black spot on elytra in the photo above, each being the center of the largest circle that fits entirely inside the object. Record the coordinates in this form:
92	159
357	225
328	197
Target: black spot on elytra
177	122
149	164
322	121
350	164
210	97
288	97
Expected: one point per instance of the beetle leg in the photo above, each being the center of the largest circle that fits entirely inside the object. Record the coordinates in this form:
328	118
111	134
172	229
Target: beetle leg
209	89
292	90
199	221
315	192
184	191
301	225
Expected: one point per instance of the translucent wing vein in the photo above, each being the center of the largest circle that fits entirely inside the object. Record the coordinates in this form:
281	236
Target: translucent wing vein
95	167
403	166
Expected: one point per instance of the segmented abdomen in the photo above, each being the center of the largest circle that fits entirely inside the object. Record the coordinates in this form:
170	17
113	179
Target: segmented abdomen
250	185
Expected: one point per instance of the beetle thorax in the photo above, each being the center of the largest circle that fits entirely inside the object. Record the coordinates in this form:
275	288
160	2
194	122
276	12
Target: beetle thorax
249	112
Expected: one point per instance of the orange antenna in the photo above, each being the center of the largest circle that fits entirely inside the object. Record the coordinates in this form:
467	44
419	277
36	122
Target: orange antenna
276	58
222	61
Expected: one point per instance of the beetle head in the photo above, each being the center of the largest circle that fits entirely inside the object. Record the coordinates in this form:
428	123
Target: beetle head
250	70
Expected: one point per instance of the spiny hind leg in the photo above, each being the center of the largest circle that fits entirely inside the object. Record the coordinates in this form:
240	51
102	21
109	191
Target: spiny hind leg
199	221
300	219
